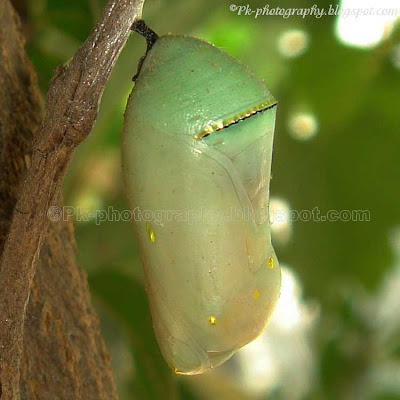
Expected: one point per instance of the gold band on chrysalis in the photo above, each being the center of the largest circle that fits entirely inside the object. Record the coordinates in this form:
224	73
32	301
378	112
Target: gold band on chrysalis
217	126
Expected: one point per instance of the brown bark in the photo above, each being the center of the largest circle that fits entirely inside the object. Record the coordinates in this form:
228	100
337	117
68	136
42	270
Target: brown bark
50	345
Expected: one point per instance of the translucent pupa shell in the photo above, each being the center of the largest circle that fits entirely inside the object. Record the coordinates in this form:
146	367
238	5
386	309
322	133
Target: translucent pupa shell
197	150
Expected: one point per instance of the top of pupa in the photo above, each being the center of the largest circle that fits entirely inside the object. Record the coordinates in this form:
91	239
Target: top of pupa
189	86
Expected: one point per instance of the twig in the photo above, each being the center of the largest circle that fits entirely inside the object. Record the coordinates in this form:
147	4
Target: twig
72	106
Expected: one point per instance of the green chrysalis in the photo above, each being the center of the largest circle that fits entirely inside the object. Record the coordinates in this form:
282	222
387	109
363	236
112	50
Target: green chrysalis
197	141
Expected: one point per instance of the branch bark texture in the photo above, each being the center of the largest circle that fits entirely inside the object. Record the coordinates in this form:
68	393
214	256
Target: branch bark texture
50	346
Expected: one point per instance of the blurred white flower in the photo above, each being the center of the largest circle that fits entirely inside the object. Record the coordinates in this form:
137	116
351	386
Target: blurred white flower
281	224
365	23
293	43
303	126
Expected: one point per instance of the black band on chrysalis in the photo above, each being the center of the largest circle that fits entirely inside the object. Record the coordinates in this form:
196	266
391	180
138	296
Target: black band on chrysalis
140	27
151	37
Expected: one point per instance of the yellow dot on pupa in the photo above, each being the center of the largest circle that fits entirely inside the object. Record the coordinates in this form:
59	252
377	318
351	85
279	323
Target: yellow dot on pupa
212	320
256	294
150	233
270	263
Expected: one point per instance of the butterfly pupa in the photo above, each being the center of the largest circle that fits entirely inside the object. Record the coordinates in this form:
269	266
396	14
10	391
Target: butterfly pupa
197	150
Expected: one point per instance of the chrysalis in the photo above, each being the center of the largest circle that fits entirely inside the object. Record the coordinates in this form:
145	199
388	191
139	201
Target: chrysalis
197	150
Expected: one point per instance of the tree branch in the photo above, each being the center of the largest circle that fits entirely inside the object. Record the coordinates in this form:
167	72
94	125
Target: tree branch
72	105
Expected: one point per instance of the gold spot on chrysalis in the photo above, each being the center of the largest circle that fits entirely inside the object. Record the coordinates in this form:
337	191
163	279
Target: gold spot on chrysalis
219	125
270	263
176	370
256	294
212	320
150	233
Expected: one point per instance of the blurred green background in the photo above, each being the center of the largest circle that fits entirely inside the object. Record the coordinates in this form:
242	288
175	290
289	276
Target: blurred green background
335	333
